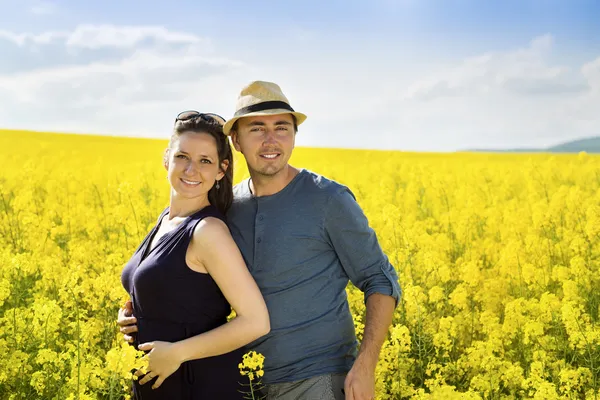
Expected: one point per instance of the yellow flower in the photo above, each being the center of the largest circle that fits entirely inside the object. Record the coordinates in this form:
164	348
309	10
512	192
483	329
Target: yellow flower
496	255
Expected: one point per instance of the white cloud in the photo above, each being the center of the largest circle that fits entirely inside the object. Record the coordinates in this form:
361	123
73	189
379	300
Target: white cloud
97	36
515	98
591	71
22	39
523	71
132	80
110	36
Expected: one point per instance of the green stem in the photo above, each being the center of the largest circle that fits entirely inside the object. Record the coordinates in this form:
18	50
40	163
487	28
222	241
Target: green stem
137	226
78	339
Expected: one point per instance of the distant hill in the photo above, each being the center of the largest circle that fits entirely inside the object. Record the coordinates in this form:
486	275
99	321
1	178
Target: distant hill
589	145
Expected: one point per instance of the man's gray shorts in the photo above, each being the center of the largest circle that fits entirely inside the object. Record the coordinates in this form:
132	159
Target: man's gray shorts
324	387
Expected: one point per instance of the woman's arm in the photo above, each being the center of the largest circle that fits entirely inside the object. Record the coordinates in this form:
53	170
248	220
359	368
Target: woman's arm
213	248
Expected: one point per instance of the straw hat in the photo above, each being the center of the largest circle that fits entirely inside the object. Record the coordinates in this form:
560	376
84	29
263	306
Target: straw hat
262	98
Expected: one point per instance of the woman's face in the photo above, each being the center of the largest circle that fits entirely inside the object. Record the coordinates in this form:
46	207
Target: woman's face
193	164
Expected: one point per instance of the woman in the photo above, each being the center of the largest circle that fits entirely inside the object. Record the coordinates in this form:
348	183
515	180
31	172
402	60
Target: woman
188	273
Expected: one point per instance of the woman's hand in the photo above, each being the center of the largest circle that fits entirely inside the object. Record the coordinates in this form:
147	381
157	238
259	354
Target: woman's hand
162	362
127	321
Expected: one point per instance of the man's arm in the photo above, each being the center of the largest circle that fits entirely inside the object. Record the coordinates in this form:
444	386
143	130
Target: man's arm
369	269
360	381
356	245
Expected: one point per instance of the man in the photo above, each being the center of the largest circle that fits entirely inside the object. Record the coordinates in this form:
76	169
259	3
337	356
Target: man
304	237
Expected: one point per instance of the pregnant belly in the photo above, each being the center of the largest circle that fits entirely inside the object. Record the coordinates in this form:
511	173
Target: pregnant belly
214	377
150	329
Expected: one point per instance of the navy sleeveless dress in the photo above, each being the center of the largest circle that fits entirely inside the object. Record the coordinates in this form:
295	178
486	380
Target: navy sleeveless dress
172	302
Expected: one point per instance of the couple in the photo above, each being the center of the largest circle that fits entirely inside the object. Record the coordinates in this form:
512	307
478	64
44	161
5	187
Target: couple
279	248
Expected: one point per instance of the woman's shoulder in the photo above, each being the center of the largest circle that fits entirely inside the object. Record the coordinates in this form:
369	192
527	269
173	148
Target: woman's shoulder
210	235
211	222
206	221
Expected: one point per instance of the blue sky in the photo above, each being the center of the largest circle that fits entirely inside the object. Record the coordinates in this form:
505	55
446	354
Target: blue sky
395	74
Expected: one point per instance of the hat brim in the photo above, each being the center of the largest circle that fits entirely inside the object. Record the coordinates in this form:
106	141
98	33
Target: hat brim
300	118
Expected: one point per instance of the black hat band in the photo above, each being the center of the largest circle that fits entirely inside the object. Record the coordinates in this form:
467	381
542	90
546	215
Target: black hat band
266	105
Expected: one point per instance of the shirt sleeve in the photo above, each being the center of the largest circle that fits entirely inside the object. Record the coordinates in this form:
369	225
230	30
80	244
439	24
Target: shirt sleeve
357	247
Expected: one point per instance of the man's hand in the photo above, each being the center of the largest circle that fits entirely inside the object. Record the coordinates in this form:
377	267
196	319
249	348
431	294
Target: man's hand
162	362
127	321
360	382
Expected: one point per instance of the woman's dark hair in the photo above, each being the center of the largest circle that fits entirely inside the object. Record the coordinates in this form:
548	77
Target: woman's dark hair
222	197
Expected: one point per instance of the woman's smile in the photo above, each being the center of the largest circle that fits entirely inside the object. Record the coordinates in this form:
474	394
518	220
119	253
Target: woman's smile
190	183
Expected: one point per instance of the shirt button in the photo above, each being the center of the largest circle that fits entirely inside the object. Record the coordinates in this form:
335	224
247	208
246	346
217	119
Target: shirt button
258	240
260	217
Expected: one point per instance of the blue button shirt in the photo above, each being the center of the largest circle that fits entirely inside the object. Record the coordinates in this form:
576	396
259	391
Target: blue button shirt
303	245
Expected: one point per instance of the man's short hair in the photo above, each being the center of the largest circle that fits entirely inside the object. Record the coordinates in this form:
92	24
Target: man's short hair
234	127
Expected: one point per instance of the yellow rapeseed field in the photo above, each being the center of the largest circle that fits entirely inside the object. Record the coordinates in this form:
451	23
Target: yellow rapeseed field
498	258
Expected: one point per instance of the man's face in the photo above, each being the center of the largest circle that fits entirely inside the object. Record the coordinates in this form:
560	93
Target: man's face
266	142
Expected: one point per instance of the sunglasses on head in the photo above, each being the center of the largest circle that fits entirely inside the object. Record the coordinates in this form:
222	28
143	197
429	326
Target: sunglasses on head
191	114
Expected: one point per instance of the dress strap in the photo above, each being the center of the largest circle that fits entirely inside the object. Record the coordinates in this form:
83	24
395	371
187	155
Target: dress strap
210	211
162	214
